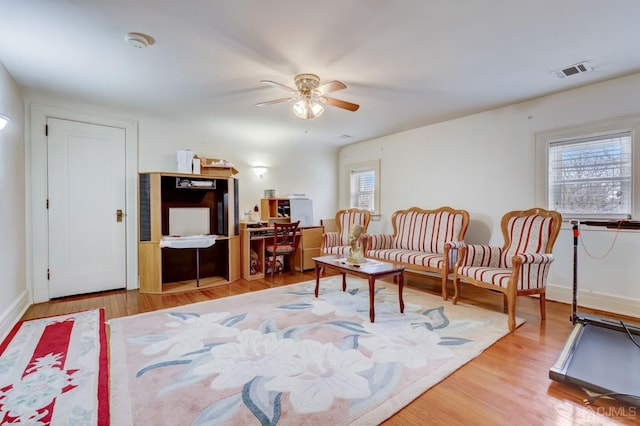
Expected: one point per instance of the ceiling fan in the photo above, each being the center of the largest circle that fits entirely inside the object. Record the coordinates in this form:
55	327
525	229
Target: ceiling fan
309	96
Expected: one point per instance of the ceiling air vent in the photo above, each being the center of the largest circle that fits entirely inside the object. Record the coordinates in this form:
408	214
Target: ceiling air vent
572	70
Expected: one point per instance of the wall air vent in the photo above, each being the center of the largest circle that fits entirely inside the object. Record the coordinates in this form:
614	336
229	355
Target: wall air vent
572	70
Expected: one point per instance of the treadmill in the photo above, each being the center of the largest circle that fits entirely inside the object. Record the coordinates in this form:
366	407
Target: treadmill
600	355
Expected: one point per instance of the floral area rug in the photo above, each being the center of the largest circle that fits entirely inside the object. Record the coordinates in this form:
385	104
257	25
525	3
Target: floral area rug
282	356
54	371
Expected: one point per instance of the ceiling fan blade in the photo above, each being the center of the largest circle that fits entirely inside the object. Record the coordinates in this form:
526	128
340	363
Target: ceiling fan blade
276	101
282	86
331	86
340	104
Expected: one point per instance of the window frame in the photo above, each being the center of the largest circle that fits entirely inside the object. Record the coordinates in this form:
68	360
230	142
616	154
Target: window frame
374	166
600	129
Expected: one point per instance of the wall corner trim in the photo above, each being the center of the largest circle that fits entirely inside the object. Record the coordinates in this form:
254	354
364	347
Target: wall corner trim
12	315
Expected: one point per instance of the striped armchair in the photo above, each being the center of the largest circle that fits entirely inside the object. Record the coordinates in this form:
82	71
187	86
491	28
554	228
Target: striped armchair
518	268
424	240
337	242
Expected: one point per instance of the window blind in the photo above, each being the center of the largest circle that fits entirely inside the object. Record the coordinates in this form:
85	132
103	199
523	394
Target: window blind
591	176
363	189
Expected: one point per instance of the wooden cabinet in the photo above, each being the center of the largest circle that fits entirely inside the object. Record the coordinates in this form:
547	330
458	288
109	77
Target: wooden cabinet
167	269
309	247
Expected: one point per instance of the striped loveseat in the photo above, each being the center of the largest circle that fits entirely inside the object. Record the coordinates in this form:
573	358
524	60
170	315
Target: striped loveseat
423	240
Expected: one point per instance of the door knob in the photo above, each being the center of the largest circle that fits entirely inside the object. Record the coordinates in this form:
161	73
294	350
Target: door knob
119	215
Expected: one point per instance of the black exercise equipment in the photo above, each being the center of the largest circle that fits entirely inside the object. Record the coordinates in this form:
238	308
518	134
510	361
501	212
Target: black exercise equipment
600	355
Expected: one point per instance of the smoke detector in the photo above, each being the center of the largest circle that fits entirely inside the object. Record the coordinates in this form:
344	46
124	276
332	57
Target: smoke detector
139	40
572	70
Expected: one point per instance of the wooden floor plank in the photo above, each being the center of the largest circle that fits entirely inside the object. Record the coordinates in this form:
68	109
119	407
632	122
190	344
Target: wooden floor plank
507	384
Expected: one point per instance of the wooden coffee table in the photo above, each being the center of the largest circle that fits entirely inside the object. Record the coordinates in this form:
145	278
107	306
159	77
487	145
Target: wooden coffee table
371	271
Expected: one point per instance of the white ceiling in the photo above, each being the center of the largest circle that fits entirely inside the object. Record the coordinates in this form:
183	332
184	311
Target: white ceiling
408	63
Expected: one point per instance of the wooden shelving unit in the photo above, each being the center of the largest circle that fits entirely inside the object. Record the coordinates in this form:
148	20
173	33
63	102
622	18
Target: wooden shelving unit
274	209
165	270
286	210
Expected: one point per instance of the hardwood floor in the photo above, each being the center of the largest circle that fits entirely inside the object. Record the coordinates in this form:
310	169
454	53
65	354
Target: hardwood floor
507	384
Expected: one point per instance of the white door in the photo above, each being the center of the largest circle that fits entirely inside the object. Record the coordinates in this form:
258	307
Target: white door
86	196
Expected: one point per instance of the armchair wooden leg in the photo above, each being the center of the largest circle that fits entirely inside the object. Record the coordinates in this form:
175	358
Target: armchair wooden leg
511	310
444	286
543	308
512	321
456	291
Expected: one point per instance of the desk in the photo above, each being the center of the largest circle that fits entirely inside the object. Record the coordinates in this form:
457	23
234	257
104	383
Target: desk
309	247
371	271
190	242
255	239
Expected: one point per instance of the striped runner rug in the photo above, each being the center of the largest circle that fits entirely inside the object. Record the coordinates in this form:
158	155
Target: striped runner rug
54	371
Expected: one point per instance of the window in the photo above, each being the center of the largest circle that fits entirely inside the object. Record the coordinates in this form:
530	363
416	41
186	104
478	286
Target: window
364	186
363	189
588	172
591	176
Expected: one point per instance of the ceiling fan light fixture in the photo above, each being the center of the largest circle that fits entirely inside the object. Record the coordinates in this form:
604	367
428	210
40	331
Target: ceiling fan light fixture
310	96
300	109
316	109
304	109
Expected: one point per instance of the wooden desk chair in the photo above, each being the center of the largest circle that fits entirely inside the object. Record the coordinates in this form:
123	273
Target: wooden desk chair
284	243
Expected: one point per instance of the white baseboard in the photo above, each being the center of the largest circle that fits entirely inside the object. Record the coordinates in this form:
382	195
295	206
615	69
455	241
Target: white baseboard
12	315
599	301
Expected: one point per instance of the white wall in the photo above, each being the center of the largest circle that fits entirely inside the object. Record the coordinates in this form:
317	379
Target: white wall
13	285
292	169
485	163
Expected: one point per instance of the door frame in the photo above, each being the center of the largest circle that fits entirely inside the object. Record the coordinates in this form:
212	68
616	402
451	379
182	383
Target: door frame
36	175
